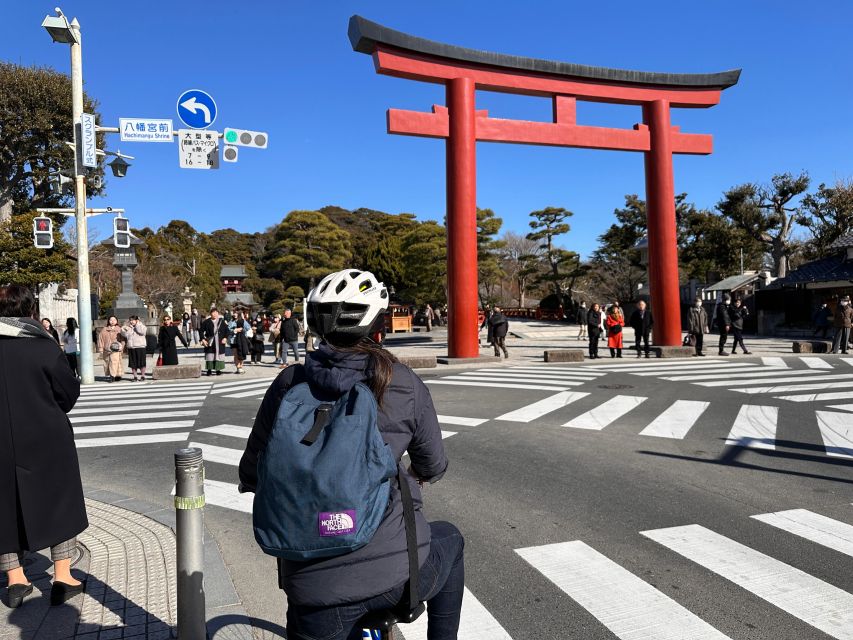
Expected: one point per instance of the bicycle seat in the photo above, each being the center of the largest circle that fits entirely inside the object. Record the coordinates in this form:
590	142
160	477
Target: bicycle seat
383	621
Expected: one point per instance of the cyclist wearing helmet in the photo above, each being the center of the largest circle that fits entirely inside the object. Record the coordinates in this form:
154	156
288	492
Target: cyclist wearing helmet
327	597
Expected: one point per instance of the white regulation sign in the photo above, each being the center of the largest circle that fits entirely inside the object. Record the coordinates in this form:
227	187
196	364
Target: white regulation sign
198	149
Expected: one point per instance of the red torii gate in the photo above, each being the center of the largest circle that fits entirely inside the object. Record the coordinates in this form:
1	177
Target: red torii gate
463	71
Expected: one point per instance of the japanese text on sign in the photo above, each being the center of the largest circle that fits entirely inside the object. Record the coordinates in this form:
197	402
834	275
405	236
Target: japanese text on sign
145	130
198	149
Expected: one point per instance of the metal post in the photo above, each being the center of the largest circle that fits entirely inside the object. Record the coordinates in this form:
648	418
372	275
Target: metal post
189	530
84	297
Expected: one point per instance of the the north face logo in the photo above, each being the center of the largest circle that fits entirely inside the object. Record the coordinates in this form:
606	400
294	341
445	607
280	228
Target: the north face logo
337	523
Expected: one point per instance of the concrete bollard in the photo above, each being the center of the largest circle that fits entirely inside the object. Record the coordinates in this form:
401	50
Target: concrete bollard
189	530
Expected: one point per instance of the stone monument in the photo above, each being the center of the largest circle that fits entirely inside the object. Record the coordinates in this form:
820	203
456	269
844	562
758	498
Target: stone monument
128	303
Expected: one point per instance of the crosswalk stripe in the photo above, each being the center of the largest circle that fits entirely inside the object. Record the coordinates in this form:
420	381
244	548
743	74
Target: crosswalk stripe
231	430
447	434
842	407
255	393
677	420
836	430
135	402
756	378
686	362
225	494
498	385
814	527
605	413
575	371
122	409
847	360
119	388
222	455
815	363
459	420
818	397
629	607
793	387
220	389
112	441
543	407
242	383
683	374
813	601
511	373
476	623
189	395
134	426
564	383
754	427
136	416
774	361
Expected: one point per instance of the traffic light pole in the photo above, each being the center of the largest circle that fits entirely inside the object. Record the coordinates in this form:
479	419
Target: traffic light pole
84	295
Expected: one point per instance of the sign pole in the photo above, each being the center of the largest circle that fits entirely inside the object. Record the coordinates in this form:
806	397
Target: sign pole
84	297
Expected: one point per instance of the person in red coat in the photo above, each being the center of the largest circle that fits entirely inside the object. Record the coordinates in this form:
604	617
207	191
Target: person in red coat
614	322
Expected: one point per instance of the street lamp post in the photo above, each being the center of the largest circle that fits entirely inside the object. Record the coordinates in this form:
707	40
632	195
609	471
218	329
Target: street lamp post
61	31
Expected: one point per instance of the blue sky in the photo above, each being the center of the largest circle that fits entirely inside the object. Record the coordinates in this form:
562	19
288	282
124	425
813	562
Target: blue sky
288	68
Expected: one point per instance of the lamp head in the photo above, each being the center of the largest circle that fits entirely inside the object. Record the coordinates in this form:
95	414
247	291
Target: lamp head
59	29
119	167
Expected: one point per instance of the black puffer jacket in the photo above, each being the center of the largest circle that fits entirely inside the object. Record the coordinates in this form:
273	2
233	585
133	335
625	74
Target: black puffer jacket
407	422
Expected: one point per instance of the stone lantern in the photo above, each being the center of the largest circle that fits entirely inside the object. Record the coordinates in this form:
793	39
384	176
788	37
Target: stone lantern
128	303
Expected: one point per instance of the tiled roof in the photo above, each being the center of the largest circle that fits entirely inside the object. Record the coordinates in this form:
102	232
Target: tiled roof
732	283
843	242
247	299
823	270
233	271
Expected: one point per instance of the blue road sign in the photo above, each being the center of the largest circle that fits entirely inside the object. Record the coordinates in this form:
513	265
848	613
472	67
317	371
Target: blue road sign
197	109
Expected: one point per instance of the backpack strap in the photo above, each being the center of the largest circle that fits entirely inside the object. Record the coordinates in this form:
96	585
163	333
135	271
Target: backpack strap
415	607
321	421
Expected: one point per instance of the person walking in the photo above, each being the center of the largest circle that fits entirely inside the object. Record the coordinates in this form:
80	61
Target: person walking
724	322
594	319
111	344
239	330
195	326
134	333
582	320
488	314
843	322
499	324
214	338
48	326
642	323
614	322
290	329
738	313
41	495
430	316
275	338
327	597
257	341
820	318
697	325
69	344
166	342
186	329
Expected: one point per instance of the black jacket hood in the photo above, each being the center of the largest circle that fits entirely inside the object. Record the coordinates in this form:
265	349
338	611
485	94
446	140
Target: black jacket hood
335	371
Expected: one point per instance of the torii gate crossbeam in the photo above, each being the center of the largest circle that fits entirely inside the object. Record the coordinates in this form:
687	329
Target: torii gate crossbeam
464	71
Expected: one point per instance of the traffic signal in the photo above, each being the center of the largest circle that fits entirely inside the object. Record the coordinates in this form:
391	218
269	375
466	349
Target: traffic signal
121	232
244	138
230	153
43	232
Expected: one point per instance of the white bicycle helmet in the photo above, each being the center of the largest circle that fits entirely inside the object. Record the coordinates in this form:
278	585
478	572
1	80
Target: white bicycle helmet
346	303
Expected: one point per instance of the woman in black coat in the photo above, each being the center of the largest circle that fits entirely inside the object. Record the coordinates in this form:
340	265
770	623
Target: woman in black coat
41	494
166	341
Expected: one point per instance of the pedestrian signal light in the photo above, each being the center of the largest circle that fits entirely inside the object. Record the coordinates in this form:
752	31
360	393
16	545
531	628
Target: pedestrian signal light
121	233
244	138
43	232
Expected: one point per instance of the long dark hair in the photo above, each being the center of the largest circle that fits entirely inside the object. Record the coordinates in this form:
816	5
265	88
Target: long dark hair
71	326
380	365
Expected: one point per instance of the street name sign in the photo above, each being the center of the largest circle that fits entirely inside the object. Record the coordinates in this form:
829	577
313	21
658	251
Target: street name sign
196	109
198	149
88	144
145	130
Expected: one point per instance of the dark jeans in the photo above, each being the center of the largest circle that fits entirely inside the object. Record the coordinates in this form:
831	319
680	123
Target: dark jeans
738	333
724	335
593	344
644	337
700	338
293	345
499	343
442	580
842	337
72	362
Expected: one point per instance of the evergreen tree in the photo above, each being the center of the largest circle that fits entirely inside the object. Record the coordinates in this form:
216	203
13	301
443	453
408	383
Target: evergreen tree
563	266
425	264
489	269
829	217
24	264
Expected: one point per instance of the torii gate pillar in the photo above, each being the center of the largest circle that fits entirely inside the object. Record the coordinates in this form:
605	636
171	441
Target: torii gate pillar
464	71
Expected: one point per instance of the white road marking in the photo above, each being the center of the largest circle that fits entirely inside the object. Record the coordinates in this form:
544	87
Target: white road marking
785	388
684	374
134	402
242	383
119	388
818	397
118	399
629	607
225	494
813	526
605	413
465	422
447	434
124	411
135	426
113	441
574	371
476	623
543	407
135	416
257	393
531	380
816	363
498	385
220	389
836	429
231	430
847	360
800	375
531	374
222	455
842	407
813	601
774	362
680	362
677	420
754	427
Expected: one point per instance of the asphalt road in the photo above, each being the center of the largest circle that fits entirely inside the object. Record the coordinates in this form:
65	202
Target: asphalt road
597	501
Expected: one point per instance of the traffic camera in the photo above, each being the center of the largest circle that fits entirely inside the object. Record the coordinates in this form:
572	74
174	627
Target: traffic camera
121	233
245	138
43	232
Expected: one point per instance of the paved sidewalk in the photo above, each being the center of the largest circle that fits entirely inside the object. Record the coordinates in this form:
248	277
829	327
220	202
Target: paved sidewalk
129	561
